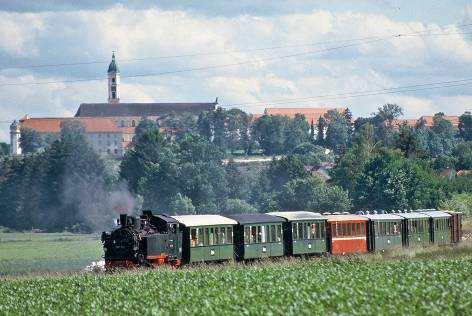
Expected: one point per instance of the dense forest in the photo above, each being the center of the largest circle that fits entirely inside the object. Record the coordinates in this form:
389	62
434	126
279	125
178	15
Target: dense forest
374	163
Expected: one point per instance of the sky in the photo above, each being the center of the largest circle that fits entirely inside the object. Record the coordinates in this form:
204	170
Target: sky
249	53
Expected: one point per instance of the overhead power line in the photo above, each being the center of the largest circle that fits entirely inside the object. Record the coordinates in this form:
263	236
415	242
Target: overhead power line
212	53
362	93
379	39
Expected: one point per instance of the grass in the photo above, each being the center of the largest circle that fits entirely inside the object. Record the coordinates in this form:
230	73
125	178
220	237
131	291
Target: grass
25	253
433	281
419	281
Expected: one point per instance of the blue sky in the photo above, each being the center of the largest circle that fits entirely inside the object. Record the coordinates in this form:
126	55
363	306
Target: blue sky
56	32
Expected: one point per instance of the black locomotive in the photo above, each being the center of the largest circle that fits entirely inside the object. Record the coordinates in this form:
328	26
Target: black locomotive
145	241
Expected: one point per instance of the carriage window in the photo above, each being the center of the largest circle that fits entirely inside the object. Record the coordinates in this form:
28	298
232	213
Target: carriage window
253	234
193	237
200	236
362	229
263	233
267	227
259	234
272	233
229	235
206	242
223	235
279	233
396	229
300	230
294	231
338	229
211	237
313	230
305	235
247	234
217	236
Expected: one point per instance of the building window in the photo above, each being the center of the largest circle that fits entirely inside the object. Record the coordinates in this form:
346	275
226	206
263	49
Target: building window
116	151
122	123
133	123
113	95
113	80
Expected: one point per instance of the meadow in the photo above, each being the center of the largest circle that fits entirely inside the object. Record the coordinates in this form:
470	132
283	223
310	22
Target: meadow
35	253
418	282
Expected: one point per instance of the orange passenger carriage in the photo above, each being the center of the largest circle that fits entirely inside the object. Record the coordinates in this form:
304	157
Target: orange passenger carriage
347	234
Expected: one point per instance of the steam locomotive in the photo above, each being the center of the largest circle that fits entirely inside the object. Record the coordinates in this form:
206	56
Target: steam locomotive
157	239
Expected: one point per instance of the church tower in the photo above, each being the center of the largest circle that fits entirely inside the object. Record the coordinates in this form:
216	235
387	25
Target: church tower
113	81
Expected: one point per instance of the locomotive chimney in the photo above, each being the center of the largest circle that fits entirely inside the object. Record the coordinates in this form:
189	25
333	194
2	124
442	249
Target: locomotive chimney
123	220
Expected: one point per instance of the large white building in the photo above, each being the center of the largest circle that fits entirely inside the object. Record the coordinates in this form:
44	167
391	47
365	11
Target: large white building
109	126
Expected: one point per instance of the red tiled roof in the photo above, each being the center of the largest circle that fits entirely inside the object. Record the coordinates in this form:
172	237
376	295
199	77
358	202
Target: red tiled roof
310	113
454	119
53	125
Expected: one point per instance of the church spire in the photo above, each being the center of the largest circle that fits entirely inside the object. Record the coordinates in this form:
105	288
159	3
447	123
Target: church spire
113	81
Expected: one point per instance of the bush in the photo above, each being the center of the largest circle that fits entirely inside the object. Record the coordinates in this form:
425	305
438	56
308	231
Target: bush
459	203
181	205
236	206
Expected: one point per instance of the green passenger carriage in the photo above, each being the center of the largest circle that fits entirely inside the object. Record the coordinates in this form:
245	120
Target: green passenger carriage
258	236
206	237
304	233
415	229
384	231
440	226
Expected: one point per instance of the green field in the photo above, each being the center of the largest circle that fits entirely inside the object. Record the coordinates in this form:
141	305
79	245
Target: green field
26	253
437	281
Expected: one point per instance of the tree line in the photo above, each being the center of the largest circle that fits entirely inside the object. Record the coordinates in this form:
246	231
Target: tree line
378	163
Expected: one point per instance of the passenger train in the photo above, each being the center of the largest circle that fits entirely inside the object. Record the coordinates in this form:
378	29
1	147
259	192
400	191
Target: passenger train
157	239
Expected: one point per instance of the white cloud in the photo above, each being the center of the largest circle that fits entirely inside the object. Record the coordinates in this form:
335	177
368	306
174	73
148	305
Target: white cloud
69	36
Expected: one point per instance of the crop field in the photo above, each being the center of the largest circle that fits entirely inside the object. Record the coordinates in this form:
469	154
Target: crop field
419	282
26	253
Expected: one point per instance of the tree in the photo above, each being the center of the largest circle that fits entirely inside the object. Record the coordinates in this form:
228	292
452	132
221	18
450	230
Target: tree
337	134
389	113
4	149
284	170
351	164
391	181
237	206
465	126
459	203
30	140
442	136
269	132
320	137
237	130
145	151
311	155
238	187
312	194
408	141
296	133
463	153
181	205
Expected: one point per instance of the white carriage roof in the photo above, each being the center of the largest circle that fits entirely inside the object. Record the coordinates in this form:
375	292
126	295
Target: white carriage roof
412	215
204	220
298	216
391	217
435	213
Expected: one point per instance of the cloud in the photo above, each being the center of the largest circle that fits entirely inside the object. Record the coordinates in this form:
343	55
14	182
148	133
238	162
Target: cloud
68	36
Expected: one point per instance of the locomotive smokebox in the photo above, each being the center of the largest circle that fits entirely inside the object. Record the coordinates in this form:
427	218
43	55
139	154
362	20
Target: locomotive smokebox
123	220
